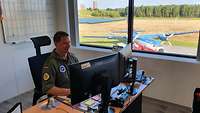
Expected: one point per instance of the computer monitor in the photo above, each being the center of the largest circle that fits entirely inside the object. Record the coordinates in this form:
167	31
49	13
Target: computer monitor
128	66
83	76
127	62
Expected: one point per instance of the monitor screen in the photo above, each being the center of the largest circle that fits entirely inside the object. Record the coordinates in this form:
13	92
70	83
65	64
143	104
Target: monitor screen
82	76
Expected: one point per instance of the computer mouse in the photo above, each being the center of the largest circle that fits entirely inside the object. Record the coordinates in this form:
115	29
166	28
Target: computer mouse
120	91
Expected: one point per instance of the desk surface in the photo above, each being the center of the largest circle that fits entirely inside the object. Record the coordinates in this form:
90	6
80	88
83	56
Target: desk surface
139	87
60	108
63	108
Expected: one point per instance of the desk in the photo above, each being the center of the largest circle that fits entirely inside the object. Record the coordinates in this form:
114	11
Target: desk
60	108
132	105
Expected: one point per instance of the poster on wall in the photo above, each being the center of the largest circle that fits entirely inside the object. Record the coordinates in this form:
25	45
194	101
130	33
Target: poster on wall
1	15
23	19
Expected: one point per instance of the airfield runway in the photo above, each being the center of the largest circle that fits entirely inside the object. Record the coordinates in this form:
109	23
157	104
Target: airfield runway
180	50
167	48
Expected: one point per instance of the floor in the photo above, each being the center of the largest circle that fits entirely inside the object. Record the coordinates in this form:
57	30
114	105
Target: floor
149	105
156	106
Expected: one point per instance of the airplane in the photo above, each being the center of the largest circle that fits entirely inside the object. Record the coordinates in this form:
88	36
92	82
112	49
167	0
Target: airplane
149	42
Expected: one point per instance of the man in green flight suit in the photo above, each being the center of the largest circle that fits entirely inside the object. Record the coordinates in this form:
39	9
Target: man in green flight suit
55	78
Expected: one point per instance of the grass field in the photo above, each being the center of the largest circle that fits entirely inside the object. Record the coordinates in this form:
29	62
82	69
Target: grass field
101	41
148	25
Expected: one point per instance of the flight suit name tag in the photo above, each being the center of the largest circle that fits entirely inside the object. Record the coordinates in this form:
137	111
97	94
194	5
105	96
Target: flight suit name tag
85	65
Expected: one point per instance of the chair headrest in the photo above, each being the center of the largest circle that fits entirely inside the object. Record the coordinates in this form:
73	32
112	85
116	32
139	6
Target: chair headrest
39	42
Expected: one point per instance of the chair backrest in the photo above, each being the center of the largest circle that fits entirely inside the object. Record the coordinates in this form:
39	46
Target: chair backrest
17	108
36	63
39	42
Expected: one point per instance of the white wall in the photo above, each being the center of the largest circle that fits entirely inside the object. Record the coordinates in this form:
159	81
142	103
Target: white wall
85	54
62	12
7	74
15	76
174	81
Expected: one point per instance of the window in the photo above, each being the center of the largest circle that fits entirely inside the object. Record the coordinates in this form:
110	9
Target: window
159	27
165	26
103	22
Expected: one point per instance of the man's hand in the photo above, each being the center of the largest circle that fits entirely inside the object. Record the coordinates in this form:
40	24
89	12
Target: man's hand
68	92
56	91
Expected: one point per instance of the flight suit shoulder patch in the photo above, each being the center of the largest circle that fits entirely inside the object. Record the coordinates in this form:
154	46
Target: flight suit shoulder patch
46	76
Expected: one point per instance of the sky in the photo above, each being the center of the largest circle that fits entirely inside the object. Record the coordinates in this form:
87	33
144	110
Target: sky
102	4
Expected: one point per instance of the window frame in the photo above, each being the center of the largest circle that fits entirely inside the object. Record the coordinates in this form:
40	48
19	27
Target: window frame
74	31
167	54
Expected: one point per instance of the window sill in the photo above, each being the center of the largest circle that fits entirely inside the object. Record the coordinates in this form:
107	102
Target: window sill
145	55
165	57
93	49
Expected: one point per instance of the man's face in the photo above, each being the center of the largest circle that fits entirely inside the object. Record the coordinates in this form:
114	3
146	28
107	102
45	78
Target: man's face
63	45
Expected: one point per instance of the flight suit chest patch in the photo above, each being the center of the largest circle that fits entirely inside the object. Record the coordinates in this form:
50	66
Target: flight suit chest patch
62	68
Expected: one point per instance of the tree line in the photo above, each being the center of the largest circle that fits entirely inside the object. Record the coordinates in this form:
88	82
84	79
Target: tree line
146	11
168	11
118	12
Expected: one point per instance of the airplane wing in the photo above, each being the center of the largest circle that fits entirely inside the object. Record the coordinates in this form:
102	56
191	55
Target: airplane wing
181	33
150	41
125	31
148	36
164	36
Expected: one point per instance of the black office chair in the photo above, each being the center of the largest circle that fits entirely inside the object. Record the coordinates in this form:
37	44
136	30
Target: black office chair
196	101
36	63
